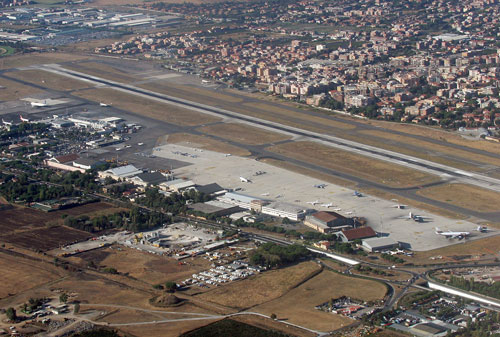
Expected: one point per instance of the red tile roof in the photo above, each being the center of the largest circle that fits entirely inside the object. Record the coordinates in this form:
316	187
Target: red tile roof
359	233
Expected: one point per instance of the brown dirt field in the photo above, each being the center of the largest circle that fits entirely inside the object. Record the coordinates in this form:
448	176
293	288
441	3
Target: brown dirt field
266	323
129	316
21	218
435	147
102	70
244	134
20	274
146	267
49	80
466	196
92	209
260	288
206	143
329	157
38	58
319	290
438	134
428	207
149	108
14	91
307	172
45	238
171	329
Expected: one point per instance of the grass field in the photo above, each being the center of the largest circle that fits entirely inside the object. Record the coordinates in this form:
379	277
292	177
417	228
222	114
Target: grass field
13	90
297	306
6	51
146	107
206	143
38	58
101	70
466	196
435	147
171	329
243	134
20	274
49	80
357	165
260	288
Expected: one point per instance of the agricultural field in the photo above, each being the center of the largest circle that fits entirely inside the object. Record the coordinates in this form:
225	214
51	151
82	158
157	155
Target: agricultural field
297	306
466	196
261	288
20	274
329	157
49	80
146	107
205	143
243	134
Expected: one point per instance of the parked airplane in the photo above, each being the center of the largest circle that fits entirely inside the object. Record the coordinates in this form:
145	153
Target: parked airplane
265	194
327	205
482	229
227	155
24	119
103	104
337	209
320	185
452	235
245	180
415	217
6	123
357	194
400	206
258	173
38	104
313	202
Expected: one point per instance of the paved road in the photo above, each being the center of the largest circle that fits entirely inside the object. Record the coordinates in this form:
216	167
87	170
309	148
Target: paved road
343	144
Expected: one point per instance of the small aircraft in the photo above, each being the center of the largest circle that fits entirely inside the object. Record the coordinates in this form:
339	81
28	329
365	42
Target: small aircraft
327	205
415	217
313	202
38	104
6	122
227	155
103	104
337	209
482	229
400	206
453	235
259	173
265	194
23	119
357	194
245	180
320	185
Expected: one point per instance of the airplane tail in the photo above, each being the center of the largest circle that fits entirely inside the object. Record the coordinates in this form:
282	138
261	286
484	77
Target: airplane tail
438	231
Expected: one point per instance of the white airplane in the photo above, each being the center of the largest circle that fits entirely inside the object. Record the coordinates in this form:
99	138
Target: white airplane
265	194
327	205
482	229
400	206
245	180
227	155
415	217
6	123
24	119
313	202
102	104
337	209
38	104
452	235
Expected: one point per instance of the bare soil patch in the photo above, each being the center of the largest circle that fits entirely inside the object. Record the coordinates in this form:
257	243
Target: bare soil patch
49	80
13	90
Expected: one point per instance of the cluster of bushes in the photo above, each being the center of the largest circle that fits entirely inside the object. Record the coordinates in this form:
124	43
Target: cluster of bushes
392	258
273	255
492	290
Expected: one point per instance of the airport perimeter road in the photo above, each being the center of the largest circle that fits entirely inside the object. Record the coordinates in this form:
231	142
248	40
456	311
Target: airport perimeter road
343	144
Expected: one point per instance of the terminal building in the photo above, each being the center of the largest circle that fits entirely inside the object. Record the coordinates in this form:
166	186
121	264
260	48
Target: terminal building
327	222
284	210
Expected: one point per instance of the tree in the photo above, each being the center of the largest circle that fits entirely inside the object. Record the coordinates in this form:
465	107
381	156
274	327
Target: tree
63	297
170	286
273	316
11	314
76	309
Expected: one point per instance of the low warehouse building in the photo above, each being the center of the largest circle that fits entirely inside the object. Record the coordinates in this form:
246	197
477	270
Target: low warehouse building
379	244
215	208
284	210
326	222
429	329
357	234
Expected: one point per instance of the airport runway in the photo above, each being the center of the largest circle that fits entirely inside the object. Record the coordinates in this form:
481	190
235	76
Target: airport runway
444	171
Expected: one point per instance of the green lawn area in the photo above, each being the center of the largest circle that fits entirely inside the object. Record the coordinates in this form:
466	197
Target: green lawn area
6	51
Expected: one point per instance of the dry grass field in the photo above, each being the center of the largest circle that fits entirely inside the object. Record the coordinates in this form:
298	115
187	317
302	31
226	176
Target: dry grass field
171	329
49	80
297	306
149	268
102	70
435	147
260	288
360	166
466	196
19	274
44	239
267	323
486	248
243	134
146	107
13	90
206	143
38	58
